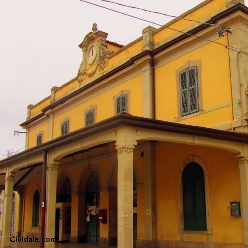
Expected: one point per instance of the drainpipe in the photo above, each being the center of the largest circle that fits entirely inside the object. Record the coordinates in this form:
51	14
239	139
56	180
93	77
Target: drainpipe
153	87
43	199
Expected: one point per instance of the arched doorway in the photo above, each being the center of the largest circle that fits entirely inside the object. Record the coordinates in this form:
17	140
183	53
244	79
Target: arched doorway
92	206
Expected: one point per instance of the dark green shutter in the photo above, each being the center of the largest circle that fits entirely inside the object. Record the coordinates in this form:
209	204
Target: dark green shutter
194	197
36	208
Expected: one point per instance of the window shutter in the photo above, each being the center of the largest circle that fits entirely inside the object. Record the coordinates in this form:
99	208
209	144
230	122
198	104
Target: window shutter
124	103
36	206
193	90
65	128
118	105
90	115
184	93
194	198
39	139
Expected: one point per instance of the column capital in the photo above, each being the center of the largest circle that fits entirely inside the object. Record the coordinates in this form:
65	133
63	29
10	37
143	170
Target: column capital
125	141
10	177
243	160
53	166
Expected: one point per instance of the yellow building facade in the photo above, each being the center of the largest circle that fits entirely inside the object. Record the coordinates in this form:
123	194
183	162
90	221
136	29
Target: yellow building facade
146	147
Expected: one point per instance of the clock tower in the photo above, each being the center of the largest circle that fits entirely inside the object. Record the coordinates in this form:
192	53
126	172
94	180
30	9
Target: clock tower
95	53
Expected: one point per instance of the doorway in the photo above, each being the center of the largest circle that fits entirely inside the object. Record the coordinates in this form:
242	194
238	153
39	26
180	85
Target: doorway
92	206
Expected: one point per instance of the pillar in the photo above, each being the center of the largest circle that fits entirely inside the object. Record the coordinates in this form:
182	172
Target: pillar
125	145
52	174
18	213
7	209
77	217
149	191
243	169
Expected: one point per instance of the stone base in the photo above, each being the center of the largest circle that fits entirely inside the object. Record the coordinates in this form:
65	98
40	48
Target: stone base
183	244
107	241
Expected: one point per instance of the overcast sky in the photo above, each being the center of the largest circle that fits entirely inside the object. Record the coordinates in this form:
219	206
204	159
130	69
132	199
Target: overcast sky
39	48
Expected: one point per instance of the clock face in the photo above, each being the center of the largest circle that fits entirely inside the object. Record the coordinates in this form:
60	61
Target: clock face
91	54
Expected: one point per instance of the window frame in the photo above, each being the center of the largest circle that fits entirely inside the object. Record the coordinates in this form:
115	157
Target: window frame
92	113
187	65
188	90
123	108
36	209
65	122
193	158
39	139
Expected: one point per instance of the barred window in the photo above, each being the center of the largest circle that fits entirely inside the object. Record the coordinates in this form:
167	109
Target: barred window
189	99
65	128
90	117
121	104
39	139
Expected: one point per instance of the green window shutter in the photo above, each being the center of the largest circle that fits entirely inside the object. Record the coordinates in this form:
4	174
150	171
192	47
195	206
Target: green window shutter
118	105
194	205
184	93
36	208
39	139
90	117
193	90
65	128
189	99
124	103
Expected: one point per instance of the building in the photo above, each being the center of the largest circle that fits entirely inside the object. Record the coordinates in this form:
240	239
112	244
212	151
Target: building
149	141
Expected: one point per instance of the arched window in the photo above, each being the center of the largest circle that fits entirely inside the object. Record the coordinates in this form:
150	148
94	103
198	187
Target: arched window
194	206
36	209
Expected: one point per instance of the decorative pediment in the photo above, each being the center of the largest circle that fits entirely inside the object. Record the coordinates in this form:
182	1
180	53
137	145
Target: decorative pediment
93	36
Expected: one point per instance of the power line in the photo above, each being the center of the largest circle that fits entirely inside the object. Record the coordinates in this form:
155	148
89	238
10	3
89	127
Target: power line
141	19
160	13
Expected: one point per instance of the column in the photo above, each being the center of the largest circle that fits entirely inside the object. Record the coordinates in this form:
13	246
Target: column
7	208
52	174
18	213
125	146
149	188
77	217
243	170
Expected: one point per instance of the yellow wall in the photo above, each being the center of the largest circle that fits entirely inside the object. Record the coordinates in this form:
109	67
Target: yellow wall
39	106
213	78
30	188
44	129
223	180
103	111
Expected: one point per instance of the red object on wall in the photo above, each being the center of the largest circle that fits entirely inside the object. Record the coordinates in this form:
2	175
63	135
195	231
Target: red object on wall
103	216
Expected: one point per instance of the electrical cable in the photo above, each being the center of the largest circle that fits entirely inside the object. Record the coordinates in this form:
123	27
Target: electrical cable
141	19
160	13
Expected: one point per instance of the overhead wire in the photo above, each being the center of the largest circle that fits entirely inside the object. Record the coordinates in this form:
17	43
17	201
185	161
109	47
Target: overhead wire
142	19
221	31
160	13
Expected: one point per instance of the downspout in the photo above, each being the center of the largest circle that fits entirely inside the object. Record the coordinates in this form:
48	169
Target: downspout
153	86
43	199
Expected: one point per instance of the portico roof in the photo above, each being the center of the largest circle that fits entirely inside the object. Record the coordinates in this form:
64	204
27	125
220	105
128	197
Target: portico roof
125	119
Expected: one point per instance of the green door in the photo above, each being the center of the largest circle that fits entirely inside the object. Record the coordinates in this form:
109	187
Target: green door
92	229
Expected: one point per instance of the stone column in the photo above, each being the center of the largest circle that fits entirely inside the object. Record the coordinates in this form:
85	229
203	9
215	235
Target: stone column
7	209
77	217
18	213
149	188
125	146
52	174
243	169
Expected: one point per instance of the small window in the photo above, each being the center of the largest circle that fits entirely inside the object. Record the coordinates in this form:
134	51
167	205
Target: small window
39	139
189	99
90	117
65	128
36	207
121	104
194	205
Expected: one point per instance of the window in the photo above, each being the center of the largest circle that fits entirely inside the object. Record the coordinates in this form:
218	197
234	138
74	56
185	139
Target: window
65	128
189	100
194	207
121	104
39	139
36	207
90	117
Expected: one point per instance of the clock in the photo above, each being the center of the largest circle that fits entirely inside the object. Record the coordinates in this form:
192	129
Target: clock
91	54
